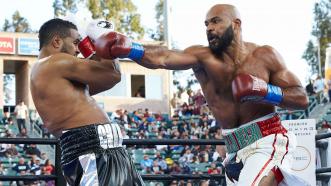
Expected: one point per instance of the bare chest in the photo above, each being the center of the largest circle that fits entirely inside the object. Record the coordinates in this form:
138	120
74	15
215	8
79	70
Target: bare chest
219	73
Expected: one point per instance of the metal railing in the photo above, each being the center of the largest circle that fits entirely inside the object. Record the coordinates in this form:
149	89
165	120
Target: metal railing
322	174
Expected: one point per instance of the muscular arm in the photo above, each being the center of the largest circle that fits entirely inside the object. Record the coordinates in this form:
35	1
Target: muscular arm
161	57
116	77
294	94
99	75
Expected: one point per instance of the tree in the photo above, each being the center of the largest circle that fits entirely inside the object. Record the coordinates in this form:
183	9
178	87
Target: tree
18	24
62	6
6	26
121	12
322	33
158	34
310	55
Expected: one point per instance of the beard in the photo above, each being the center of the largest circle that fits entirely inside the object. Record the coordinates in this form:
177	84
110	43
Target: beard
218	44
66	49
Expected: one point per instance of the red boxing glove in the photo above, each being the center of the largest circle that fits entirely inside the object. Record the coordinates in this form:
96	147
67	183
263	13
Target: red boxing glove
86	47
112	45
250	88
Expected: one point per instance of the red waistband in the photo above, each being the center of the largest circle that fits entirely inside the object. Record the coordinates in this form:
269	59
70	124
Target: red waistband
272	125
249	133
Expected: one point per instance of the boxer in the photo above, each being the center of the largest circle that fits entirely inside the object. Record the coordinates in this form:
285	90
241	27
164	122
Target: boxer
243	83
61	87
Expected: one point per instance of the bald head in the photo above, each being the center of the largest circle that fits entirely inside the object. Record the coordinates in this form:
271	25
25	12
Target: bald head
227	10
223	25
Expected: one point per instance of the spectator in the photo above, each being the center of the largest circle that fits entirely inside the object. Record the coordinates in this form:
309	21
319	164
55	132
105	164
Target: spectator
325	125
10	122
6	116
49	167
187	156
21	167
11	151
116	115
34	119
199	99
175	168
43	158
176	116
22	113
156	168
310	88
146	162
8	134
126	117
32	150
175	102
329	88
45	172
319	88
3	149
136	118
213	169
161	162
158	116
45	132
35	165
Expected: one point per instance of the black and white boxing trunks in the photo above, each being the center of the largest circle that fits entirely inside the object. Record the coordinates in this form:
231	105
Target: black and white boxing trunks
93	155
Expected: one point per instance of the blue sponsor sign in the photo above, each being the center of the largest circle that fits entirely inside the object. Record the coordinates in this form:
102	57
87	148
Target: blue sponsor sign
28	46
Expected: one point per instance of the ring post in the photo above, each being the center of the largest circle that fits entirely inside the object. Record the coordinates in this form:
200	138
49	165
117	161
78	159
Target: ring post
58	170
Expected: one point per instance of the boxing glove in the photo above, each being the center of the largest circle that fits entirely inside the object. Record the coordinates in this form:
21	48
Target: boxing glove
250	88
113	45
92	31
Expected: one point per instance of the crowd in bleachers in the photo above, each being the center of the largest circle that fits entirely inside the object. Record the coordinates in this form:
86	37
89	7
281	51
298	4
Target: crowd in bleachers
22	159
190	119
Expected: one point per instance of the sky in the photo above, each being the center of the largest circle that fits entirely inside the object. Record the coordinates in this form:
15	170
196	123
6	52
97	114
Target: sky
283	24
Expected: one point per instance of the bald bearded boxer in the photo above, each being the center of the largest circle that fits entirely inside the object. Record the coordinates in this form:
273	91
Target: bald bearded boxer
61	87
242	83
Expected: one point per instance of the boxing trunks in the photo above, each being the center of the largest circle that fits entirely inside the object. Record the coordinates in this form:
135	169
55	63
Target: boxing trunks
255	149
93	156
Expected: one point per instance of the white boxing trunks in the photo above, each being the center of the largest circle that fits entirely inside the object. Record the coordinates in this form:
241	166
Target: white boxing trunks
258	147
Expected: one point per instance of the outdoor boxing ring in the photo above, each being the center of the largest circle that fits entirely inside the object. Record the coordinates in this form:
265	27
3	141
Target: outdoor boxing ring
322	174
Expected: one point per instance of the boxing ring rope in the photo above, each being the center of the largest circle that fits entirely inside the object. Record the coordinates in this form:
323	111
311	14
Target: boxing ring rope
167	177
321	173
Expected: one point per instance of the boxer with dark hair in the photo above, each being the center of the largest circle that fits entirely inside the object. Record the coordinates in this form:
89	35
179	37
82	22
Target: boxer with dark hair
242	83
61	86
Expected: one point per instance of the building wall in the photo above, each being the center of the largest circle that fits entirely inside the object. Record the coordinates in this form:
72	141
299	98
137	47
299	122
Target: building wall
22	64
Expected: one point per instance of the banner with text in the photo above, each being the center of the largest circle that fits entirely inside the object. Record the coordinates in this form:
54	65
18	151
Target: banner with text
7	45
304	156
28	46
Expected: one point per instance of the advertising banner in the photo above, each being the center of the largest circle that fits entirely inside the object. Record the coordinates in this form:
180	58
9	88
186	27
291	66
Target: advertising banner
304	156
7	45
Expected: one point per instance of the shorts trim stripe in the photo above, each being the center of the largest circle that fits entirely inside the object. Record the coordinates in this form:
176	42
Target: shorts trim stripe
266	164
281	162
90	173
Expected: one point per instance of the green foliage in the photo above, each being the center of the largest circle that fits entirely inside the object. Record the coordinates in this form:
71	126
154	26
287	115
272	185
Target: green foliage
322	32
121	12
61	7
310	55
158	35
18	24
6	26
